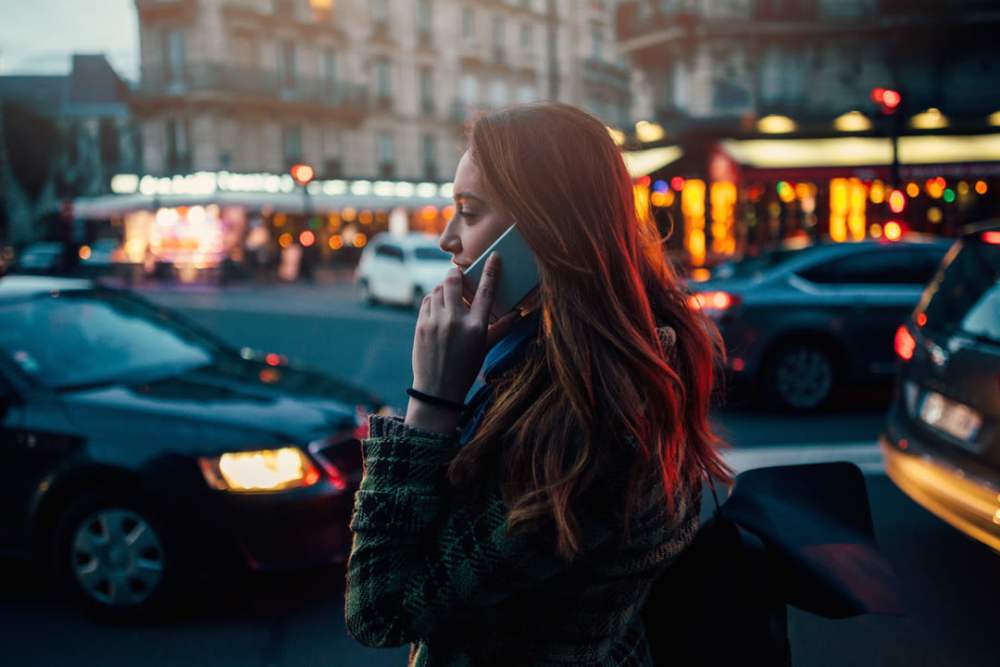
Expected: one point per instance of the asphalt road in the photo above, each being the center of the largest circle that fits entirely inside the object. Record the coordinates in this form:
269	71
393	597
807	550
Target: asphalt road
284	620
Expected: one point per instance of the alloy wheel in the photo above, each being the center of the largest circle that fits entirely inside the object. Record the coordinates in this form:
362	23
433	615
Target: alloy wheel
803	377
117	557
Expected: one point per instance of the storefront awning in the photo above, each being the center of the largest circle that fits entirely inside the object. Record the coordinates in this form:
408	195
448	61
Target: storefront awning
641	163
861	151
111	206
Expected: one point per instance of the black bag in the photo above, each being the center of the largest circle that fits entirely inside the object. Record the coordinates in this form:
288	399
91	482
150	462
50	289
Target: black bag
798	535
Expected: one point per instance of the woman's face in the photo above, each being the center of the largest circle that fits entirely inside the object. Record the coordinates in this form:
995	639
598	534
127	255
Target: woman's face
477	222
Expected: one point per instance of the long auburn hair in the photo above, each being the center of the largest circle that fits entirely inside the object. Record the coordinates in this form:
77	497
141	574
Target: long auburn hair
600	377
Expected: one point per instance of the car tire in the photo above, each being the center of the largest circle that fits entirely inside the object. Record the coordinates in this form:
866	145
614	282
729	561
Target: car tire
366	294
116	558
417	298
800	376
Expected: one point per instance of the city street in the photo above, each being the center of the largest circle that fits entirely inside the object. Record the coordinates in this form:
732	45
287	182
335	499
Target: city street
296	619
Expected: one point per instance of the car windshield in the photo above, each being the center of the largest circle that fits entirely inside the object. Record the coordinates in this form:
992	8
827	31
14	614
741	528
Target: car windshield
88	338
431	254
965	296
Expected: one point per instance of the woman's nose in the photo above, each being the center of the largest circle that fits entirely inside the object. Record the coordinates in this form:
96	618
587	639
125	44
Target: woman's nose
450	242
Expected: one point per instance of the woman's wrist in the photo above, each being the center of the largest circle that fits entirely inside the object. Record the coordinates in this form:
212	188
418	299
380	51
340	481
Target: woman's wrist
431	417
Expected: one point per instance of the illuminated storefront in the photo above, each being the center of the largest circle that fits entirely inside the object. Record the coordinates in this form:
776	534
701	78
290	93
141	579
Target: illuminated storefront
744	194
194	223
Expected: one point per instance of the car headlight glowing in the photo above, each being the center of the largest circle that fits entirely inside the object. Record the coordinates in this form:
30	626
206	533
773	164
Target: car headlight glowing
259	471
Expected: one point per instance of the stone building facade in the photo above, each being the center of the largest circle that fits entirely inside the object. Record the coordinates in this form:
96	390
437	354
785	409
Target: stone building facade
359	89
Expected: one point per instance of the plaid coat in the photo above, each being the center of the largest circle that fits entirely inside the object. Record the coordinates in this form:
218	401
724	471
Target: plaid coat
445	576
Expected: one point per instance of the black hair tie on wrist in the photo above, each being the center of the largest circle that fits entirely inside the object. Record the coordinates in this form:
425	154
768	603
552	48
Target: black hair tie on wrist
435	400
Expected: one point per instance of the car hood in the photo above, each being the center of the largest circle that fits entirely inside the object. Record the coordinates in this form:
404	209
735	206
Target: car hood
734	285
226	406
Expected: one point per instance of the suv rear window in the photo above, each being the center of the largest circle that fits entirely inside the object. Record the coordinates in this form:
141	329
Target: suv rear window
965	295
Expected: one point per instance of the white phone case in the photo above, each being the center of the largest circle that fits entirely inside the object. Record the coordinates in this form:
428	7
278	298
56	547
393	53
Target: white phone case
518	271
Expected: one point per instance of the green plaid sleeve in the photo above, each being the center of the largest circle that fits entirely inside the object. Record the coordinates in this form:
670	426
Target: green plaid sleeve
418	560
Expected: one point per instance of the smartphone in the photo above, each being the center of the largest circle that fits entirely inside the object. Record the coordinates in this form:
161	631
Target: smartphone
518	272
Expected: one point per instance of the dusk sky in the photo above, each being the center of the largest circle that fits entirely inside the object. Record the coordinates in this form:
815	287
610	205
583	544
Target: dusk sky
38	36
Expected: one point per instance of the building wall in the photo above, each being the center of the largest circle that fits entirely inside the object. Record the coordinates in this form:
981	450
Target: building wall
723	59
501	54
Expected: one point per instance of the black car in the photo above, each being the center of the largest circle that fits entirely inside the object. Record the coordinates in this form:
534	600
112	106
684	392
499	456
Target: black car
802	319
139	450
941	444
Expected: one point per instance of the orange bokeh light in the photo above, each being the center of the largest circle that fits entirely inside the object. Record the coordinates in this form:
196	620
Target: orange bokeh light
893	231
897	201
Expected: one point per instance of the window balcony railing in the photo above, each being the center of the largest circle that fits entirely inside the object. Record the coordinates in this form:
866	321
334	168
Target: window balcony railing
254	82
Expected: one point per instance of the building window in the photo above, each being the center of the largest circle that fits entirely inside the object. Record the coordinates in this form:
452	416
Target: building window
425	15
427	90
292	144
385	155
330	71
597	41
332	167
383	78
174	56
498	94
527	37
468	25
380	14
286	65
428	150
178	155
470	89
499	54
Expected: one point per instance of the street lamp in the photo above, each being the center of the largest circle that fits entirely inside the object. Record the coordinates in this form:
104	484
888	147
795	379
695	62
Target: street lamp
303	174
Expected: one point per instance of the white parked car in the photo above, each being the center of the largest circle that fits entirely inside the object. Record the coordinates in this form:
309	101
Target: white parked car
401	269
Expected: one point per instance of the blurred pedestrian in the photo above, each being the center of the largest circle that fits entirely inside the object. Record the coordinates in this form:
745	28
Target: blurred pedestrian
528	526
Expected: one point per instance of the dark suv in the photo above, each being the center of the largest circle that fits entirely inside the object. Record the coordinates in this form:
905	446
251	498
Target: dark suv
800	320
942	442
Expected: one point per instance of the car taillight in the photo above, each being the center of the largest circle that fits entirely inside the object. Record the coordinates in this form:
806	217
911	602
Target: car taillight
993	237
905	344
713	302
361	418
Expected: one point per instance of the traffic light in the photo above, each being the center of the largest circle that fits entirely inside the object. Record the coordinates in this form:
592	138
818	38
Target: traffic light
302	174
887	99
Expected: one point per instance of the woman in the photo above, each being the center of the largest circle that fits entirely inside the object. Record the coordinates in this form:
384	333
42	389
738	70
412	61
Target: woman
528	528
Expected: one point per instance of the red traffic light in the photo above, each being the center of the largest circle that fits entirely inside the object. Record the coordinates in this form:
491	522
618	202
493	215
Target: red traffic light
887	99
302	174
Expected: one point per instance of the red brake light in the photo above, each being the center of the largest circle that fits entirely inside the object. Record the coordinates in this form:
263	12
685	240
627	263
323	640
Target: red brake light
713	301
905	344
993	237
361	419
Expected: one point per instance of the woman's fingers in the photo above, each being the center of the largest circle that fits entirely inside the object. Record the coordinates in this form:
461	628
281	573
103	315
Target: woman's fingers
453	291
482	304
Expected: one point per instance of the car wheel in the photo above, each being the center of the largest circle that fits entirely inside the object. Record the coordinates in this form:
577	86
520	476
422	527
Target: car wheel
116	558
366	294
417	298
800	376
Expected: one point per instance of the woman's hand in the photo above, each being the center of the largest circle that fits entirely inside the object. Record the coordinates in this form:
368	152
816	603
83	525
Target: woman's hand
451	342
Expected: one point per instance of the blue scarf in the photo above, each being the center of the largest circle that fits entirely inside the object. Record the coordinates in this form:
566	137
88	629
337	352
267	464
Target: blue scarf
507	352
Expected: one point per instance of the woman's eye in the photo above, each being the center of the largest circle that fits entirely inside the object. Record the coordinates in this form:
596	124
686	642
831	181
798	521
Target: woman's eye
467	214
